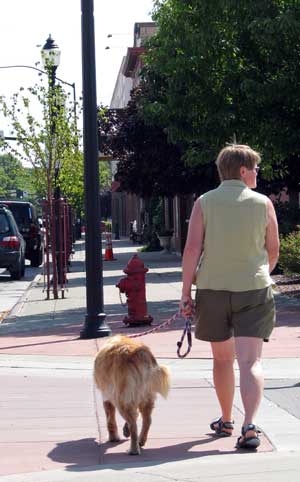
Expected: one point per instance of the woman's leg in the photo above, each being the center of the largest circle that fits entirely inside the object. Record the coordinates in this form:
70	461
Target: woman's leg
248	352
223	373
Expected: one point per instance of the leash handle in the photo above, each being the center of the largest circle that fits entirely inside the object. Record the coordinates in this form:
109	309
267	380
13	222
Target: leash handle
187	331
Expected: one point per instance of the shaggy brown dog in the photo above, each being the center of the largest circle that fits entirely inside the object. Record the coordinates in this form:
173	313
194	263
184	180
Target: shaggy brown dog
129	377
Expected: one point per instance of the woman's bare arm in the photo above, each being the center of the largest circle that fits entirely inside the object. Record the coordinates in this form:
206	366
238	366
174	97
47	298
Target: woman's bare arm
191	255
272	237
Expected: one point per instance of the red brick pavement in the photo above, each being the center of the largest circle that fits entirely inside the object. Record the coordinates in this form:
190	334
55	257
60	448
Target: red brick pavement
64	340
51	421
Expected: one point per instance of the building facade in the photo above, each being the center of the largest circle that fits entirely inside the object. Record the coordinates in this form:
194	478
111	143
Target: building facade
127	208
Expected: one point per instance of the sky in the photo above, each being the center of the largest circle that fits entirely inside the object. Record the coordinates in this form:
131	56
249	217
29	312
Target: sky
26	24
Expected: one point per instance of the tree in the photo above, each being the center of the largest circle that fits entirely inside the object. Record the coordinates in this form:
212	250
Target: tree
228	69
48	143
148	165
105	175
12	175
56	160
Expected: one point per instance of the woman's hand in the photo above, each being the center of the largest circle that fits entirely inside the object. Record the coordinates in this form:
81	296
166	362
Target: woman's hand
186	306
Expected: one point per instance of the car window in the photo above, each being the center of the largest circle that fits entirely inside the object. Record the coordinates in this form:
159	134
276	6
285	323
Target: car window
22	213
4	226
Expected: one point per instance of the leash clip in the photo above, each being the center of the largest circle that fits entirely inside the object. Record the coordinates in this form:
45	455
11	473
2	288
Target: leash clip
187	331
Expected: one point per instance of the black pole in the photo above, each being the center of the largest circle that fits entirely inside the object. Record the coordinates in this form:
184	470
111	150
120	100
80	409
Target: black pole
95	324
74	107
51	76
52	96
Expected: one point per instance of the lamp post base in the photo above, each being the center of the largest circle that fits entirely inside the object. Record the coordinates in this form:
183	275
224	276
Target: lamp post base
95	327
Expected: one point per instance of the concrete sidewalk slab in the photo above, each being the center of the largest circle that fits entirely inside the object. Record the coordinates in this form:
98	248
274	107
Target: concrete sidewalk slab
53	418
269	467
13	293
50	422
53	326
64	340
39	412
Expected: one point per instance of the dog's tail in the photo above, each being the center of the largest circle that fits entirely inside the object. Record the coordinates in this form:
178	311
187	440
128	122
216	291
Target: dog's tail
160	380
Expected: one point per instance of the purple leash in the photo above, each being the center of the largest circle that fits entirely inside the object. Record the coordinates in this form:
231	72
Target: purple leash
188	332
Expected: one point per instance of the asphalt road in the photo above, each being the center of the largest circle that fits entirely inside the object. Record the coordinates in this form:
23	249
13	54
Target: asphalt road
285	393
13	291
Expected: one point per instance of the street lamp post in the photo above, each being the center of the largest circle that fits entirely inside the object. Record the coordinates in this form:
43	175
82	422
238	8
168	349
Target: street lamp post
51	59
95	321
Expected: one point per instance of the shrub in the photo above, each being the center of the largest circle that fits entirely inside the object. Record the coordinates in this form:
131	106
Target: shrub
289	259
108	226
153	243
288	217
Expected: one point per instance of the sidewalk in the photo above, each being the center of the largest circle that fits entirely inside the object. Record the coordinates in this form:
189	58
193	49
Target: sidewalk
52	422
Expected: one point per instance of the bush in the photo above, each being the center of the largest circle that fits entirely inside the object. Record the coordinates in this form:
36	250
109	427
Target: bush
289	259
288	217
108	226
153	243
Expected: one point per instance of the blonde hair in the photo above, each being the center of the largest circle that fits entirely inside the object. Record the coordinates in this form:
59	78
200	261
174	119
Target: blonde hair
232	157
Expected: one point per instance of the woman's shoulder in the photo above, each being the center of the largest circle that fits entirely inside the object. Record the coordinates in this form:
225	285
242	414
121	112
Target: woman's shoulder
208	194
259	197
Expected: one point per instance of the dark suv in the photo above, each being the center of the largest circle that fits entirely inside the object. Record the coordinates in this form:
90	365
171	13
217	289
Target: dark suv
12	245
26	218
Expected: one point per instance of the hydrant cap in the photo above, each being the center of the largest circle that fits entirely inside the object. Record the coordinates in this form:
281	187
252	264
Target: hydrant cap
135	265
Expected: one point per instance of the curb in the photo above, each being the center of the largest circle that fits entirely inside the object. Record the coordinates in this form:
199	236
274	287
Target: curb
16	308
3	315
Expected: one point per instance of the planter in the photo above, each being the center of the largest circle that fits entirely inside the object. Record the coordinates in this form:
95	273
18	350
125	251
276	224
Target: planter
165	242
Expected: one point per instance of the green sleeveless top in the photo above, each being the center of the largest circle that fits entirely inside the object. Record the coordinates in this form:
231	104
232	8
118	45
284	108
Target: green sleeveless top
234	256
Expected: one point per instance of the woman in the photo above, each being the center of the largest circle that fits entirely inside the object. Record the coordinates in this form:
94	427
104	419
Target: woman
235	232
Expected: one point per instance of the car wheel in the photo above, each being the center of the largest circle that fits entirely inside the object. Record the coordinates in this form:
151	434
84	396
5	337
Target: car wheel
37	258
16	274
23	268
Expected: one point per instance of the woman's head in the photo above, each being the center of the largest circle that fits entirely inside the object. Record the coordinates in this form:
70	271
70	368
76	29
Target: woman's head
233	157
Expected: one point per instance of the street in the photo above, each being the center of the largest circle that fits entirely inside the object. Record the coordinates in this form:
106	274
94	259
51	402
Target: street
11	292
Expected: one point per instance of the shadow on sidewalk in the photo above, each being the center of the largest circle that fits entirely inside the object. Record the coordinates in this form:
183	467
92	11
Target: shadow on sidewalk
153	278
75	454
30	274
288	311
68	323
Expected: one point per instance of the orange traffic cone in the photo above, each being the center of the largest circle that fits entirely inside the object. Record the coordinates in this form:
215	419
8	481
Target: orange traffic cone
108	255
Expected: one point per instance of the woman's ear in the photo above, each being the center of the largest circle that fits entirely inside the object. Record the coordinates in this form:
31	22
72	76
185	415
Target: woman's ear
243	170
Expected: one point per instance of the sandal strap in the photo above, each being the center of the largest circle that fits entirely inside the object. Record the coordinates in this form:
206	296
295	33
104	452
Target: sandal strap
250	427
228	425
218	425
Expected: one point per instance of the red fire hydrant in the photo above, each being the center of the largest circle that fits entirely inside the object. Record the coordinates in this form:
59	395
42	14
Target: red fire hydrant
134	286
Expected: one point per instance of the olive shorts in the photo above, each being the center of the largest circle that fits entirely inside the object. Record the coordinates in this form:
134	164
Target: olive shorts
223	314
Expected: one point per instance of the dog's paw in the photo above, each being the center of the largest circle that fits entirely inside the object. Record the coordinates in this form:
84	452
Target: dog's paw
126	431
114	438
134	451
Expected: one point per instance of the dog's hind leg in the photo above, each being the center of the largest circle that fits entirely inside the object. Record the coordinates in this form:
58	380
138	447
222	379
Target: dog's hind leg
110	412
146	411
130	414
